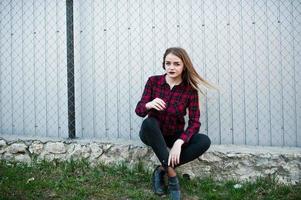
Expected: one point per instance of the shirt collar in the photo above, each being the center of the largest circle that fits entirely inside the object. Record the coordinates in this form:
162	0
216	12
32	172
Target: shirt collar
162	81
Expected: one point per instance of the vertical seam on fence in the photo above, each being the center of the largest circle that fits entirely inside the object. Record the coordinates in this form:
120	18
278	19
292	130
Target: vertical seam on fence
256	70
1	123
22	61
11	67
230	68
34	68
141	46
141	49
190	28
294	72
57	66
93	67
243	72
154	37
79	10
178	23
117	66
46	77
217	66
204	63
105	68
70	69
268	68
129	65
281	74
165	25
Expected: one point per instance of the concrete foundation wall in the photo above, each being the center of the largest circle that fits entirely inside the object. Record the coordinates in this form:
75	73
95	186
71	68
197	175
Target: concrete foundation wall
220	161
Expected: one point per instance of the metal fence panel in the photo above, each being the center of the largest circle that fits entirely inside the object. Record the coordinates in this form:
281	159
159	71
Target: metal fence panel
250	49
33	78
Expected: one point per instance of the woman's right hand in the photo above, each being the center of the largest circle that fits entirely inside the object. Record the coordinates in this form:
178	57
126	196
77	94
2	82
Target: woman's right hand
157	104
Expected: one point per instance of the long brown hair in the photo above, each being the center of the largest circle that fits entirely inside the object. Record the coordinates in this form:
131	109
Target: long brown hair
189	75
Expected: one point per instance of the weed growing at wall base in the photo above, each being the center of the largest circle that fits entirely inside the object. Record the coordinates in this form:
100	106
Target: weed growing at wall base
79	180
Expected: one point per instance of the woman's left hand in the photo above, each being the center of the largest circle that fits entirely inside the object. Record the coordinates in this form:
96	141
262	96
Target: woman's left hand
174	154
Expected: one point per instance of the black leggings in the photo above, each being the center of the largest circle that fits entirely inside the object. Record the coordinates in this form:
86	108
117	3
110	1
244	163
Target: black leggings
151	135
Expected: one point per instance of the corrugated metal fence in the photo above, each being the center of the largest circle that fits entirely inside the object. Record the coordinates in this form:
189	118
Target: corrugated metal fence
251	49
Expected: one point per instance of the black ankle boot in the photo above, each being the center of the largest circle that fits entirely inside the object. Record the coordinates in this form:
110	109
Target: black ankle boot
174	188
158	181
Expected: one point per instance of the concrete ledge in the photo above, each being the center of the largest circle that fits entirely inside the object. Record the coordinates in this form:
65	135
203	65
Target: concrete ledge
220	161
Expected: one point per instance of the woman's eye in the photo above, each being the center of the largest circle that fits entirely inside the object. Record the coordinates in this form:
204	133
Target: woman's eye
167	63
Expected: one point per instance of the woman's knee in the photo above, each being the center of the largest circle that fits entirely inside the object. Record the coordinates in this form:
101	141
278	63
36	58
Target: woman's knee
202	140
207	141
148	126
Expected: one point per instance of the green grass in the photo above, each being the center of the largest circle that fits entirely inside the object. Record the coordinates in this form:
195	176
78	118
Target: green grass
78	180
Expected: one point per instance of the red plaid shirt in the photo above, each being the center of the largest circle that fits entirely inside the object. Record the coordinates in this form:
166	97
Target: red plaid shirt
171	119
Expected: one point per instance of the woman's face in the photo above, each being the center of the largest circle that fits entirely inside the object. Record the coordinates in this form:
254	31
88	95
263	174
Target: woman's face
173	66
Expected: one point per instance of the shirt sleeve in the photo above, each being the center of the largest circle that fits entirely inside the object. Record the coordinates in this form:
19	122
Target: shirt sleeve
194	117
146	97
